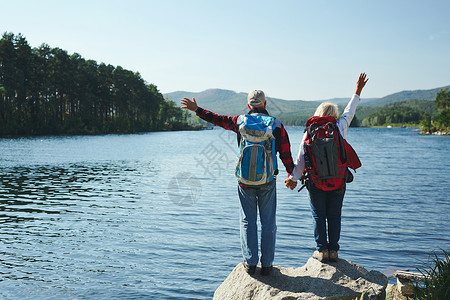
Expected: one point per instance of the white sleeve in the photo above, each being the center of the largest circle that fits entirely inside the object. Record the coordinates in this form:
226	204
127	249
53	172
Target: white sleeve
349	112
300	162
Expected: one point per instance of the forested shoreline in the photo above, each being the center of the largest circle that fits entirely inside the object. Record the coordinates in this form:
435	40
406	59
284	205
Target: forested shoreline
46	91
433	117
440	123
405	113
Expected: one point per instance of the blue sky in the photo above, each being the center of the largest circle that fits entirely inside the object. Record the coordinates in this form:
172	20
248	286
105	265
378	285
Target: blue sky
299	50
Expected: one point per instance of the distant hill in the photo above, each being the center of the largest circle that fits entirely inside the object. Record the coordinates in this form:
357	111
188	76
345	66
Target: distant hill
406	95
295	112
232	103
226	101
424	106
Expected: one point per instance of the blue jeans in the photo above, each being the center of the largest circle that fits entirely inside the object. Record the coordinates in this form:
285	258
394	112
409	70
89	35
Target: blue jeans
263	198
326	207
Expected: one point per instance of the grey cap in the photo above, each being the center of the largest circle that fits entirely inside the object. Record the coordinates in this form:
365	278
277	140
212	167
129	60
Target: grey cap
256	98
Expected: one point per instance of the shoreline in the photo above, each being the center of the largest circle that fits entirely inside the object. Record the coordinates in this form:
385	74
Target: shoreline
440	133
18	136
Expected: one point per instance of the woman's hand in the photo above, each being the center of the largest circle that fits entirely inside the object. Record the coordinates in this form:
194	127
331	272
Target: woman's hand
188	104
362	80
290	183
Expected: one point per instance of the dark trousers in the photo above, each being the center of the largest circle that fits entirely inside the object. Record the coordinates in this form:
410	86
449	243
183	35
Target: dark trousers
326	207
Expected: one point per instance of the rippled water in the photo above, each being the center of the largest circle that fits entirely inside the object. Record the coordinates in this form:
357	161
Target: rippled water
155	215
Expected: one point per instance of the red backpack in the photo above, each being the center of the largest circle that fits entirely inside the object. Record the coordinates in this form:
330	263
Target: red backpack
328	155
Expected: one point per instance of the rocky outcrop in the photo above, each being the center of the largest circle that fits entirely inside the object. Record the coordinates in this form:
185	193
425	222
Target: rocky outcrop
435	132
315	280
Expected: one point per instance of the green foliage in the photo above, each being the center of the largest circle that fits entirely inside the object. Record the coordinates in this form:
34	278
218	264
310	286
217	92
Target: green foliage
293	119
404	112
442	100
426	125
436	284
174	118
440	122
395	115
47	91
296	112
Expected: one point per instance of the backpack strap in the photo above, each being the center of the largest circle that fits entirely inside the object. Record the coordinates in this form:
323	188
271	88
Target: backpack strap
341	144
269	155
305	180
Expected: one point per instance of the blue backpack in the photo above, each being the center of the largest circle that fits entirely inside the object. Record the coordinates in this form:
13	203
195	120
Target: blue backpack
257	163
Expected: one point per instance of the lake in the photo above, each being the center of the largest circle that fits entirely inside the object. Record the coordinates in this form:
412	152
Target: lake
155	215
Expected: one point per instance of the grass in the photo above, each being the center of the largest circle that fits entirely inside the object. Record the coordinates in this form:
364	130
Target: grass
436	284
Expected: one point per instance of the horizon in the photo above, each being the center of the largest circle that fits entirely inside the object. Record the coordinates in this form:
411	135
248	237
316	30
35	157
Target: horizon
294	50
312	100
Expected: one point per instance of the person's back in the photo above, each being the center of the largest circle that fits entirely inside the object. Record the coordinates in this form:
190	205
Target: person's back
326	196
256	173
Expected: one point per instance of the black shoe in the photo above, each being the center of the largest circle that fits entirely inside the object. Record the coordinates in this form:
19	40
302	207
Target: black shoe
266	270
249	269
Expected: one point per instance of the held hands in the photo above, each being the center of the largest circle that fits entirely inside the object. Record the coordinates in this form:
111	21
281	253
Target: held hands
290	183
188	104
362	80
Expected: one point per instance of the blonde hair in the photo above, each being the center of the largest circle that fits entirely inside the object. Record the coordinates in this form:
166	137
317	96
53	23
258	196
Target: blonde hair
327	109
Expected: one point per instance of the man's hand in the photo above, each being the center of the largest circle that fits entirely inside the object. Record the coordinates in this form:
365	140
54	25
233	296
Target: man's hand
290	183
361	83
188	104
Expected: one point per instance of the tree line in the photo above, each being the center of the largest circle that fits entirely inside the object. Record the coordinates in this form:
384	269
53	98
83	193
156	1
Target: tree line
394	115
45	90
409	112
432	116
441	121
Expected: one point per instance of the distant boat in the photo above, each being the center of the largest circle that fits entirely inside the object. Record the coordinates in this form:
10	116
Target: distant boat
389	126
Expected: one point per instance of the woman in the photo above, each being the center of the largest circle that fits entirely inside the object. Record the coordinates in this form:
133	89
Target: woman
326	203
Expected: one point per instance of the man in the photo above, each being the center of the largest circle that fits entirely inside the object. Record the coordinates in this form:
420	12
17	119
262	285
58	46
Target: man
254	196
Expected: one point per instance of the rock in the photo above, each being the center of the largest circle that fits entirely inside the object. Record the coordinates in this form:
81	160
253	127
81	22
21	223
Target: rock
390	291
315	280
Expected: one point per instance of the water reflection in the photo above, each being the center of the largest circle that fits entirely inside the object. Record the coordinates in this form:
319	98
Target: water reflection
98	217
67	218
26	192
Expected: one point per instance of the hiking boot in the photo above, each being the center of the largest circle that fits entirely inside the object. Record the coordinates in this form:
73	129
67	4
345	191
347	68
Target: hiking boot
321	256
249	269
266	270
333	256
